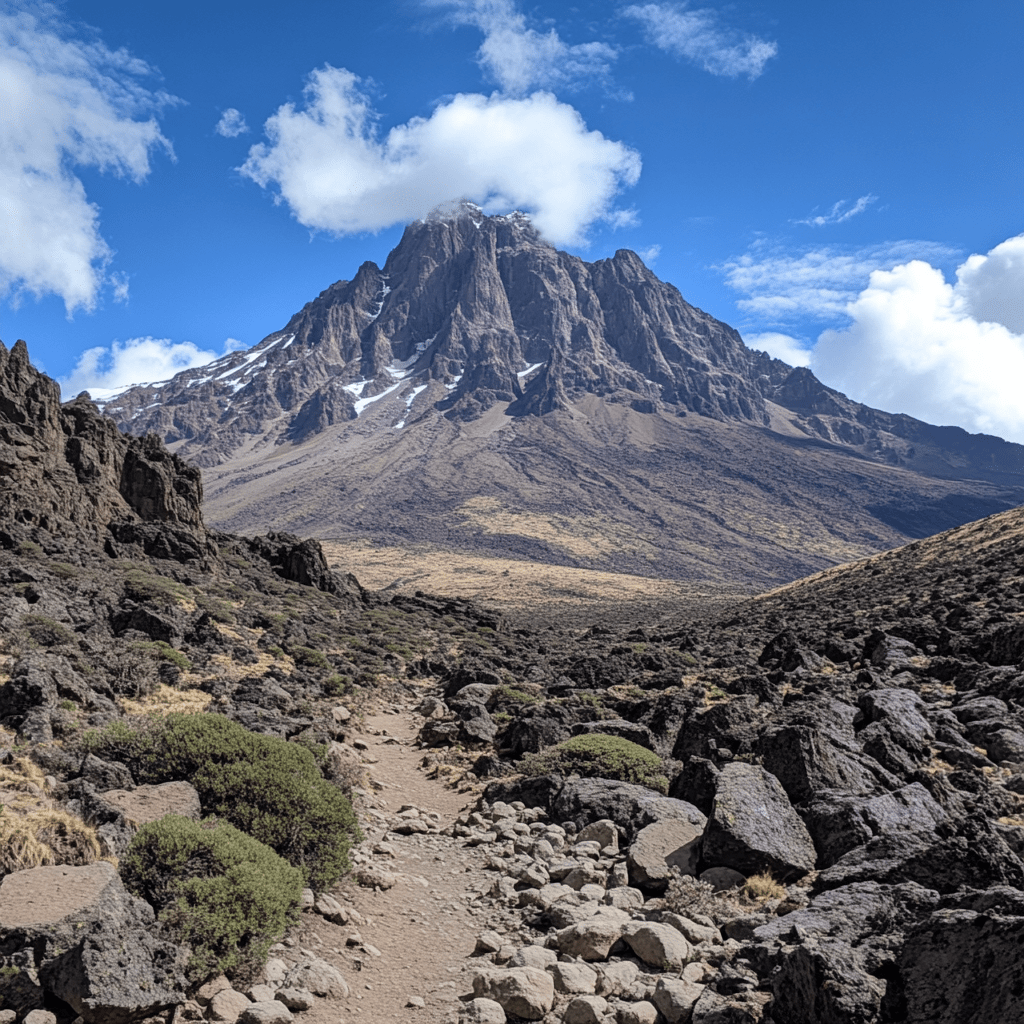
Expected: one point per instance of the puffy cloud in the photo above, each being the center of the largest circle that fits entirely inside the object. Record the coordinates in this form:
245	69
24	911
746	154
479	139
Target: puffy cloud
231	124
840	212
650	254
520	58
780	346
781	287
533	153
66	103
696	36
105	371
945	353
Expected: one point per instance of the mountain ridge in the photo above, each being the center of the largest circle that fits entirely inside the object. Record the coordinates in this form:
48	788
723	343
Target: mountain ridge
480	345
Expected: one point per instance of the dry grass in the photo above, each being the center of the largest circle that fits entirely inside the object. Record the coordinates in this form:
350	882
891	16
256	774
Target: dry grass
505	583
763	887
23	786
45	837
166	699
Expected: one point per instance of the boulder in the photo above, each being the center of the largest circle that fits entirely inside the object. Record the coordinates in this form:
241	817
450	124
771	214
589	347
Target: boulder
675	998
583	801
319	977
604	832
573	978
839	823
227	1005
674	843
266	1013
962	964
753	826
593	938
977	857
93	944
585	1010
826	963
482	1011
523	991
659	945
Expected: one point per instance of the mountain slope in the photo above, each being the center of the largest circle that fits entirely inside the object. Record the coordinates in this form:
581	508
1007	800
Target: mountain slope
610	422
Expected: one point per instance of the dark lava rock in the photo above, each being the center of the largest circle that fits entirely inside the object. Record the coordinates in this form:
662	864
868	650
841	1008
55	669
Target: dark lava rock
583	801
696	784
839	822
963	963
753	827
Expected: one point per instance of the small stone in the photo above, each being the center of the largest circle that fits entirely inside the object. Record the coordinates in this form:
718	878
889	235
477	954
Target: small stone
482	1011
266	1013
40	1017
260	993
488	942
722	878
295	998
209	989
642	1012
605	832
585	1010
416	1002
573	978
307	899
675	998
227	1005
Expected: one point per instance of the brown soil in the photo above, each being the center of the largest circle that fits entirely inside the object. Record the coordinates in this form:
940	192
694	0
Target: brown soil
425	927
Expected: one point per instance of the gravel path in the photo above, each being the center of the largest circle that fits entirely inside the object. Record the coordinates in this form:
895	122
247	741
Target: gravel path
418	934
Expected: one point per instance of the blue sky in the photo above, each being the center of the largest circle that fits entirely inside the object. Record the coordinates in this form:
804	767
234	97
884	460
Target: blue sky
844	183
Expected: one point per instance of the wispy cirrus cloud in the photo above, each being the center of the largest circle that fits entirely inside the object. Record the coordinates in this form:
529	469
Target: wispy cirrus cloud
67	104
699	37
780	286
520	58
842	211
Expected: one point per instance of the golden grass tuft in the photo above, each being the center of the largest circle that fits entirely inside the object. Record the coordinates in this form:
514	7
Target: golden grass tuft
167	699
45	837
763	886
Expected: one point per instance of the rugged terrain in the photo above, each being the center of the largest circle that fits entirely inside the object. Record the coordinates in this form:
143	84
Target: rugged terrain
804	806
485	392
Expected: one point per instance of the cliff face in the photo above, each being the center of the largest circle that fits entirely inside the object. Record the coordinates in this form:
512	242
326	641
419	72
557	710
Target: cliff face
68	472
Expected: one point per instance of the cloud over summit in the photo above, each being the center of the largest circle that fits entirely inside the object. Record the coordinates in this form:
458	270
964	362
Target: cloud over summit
330	164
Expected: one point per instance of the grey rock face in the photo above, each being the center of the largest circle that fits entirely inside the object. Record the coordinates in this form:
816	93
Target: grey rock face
753	826
92	943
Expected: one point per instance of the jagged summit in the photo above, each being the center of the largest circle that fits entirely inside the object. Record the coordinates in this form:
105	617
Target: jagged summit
481	364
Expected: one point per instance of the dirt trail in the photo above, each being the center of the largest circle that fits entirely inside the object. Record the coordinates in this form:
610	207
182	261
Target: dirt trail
425	926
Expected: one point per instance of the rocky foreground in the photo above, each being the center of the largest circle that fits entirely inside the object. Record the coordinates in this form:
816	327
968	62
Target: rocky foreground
805	809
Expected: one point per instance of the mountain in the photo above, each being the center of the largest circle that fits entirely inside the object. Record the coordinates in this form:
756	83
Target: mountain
486	391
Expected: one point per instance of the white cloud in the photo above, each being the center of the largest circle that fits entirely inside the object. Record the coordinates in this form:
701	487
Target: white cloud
650	254
519	58
840	212
780	346
947	354
104	371
67	103
532	153
696	36
781	287
231	124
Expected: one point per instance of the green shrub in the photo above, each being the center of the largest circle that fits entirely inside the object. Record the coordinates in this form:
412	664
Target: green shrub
310	657
147	587
220	891
218	610
163	651
336	686
268	787
46	632
508	693
600	756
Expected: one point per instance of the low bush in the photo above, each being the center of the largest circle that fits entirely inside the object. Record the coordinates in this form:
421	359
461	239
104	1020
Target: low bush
270	788
600	756
222	892
310	657
46	632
